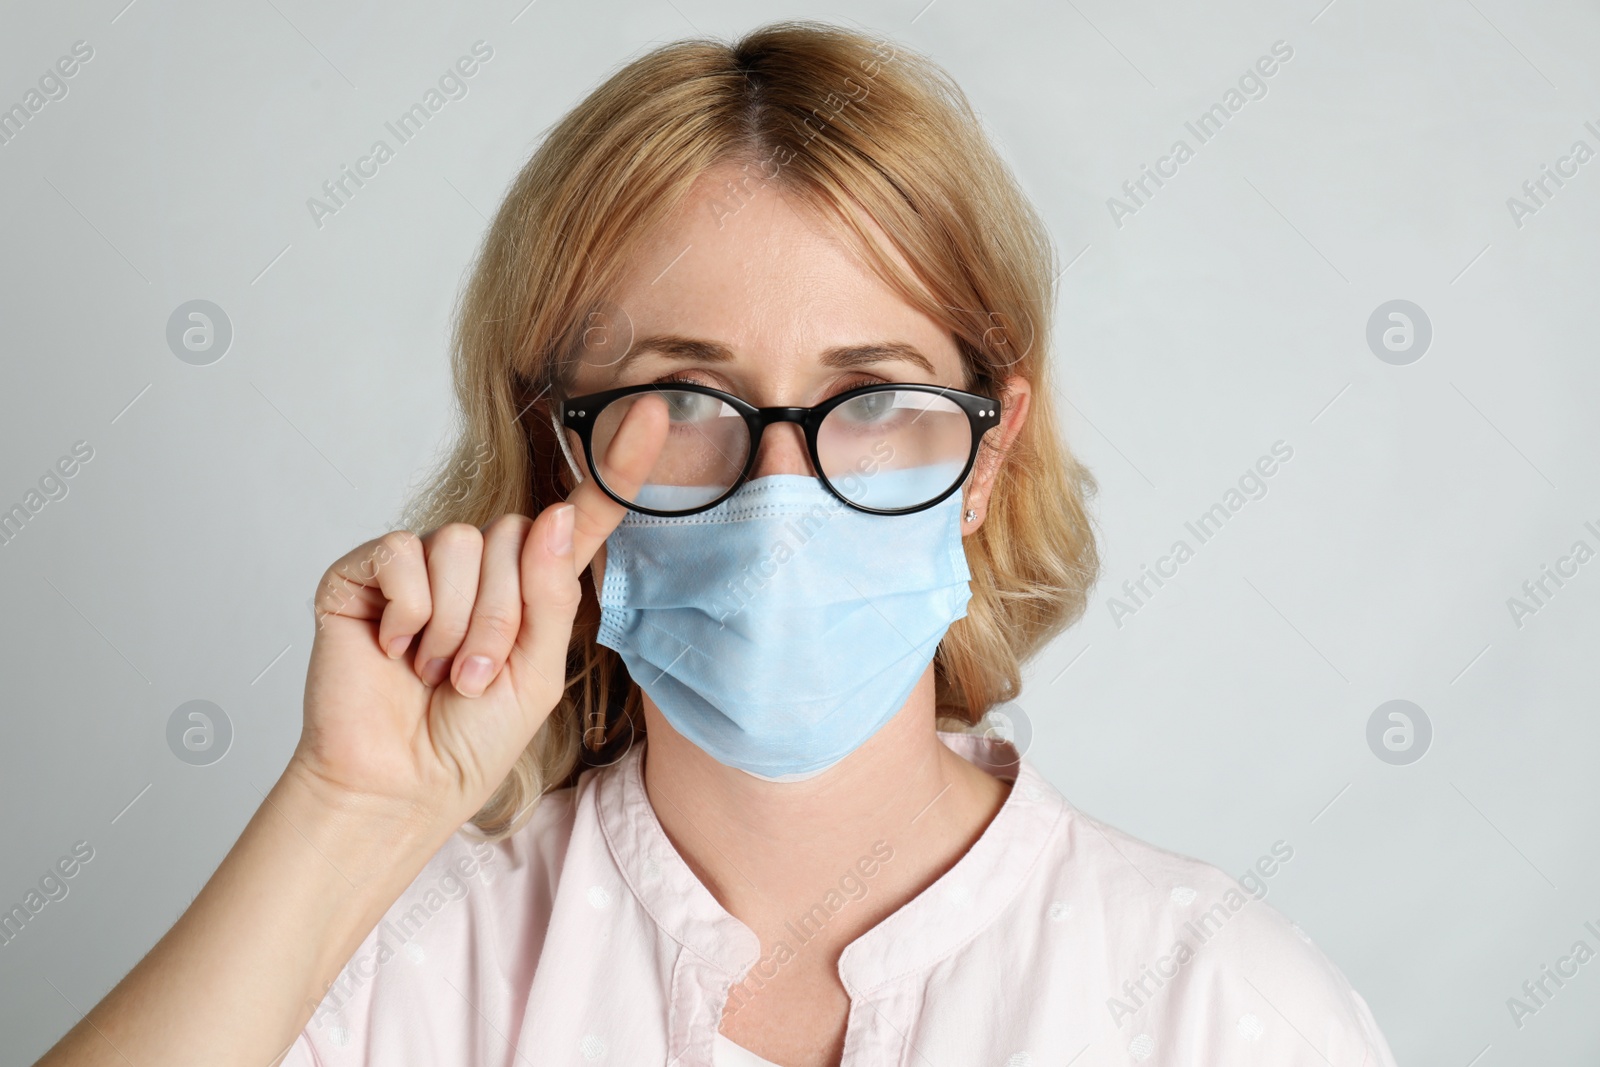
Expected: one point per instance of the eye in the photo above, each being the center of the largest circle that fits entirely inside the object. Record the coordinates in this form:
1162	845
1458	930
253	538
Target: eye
872	407
692	407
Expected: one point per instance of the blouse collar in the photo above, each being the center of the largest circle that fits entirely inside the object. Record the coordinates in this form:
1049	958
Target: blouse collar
968	897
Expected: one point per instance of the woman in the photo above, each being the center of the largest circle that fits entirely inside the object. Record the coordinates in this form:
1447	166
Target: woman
758	338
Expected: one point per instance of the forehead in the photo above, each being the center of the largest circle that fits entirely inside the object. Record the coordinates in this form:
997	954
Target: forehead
749	267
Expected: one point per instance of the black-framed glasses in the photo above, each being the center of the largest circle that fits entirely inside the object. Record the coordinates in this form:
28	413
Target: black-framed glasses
889	448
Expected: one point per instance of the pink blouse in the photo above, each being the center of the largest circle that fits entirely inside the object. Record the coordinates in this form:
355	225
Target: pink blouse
1057	939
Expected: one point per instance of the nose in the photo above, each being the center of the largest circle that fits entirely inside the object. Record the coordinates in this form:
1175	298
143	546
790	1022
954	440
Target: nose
782	451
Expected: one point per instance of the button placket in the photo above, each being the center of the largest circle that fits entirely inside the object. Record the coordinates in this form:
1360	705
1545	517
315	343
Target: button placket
713	947
699	994
880	1022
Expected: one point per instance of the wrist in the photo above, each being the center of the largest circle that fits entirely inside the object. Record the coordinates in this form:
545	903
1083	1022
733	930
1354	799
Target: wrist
366	837
357	854
351	807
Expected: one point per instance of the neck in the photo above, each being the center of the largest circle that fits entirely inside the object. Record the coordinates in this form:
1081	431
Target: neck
902	806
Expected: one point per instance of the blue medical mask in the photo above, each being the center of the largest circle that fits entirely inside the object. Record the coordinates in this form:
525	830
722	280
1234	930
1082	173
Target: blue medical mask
779	630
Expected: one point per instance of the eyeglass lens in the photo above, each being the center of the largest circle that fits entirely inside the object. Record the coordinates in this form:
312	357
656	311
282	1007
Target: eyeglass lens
895	448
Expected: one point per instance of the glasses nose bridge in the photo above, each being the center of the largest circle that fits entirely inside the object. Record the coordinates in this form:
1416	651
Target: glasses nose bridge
795	415
774	416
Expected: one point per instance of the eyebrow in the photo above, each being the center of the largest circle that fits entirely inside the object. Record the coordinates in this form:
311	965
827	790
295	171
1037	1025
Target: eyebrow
693	350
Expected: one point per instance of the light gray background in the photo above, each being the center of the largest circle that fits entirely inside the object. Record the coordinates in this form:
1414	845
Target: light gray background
1228	313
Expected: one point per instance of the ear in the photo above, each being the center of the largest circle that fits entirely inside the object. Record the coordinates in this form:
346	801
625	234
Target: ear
1015	393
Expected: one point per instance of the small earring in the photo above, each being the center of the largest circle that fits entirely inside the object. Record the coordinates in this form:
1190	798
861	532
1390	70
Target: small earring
971	514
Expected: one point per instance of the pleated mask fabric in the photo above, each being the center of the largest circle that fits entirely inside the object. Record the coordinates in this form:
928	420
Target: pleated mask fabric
781	629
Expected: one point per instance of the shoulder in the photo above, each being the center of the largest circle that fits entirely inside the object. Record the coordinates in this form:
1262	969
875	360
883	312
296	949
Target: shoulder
1199	963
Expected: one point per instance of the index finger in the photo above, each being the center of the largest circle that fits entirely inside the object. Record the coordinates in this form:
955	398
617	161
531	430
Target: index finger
627	463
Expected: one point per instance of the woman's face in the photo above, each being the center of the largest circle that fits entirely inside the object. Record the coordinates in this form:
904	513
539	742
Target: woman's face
766	292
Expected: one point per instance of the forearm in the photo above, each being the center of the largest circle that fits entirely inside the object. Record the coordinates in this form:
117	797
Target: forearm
242	970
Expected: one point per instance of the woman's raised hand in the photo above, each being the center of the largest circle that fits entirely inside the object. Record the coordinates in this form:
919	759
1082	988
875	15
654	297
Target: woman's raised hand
437	658
407	732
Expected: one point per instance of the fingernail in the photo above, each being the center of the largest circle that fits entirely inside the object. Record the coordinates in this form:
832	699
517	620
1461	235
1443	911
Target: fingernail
434	670
398	646
474	676
560	537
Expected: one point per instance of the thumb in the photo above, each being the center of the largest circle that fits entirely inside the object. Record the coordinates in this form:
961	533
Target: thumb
550	598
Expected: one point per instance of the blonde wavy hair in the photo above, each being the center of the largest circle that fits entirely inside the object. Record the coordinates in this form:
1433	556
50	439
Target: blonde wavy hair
841	122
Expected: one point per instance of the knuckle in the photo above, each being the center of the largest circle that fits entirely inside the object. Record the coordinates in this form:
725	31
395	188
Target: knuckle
456	536
412	606
397	543
329	580
334	588
452	598
496	620
563	593
567	600
589	525
510	523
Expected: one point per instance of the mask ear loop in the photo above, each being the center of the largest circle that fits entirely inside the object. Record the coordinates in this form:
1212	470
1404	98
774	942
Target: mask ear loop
566	451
